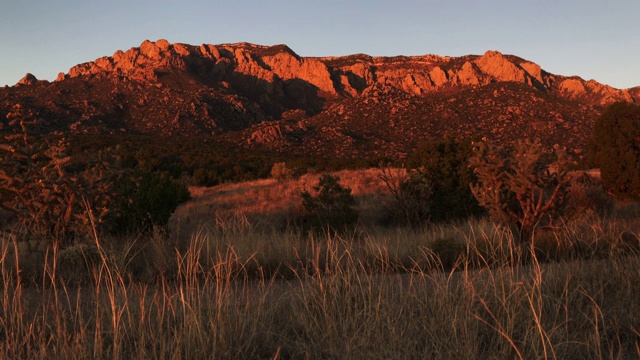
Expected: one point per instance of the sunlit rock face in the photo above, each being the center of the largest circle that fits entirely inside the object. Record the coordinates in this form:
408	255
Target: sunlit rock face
277	71
28	79
270	97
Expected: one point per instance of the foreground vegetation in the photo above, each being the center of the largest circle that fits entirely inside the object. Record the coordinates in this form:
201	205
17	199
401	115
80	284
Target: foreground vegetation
380	263
237	290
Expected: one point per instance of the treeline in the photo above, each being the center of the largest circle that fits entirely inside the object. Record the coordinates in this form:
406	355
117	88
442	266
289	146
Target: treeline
203	161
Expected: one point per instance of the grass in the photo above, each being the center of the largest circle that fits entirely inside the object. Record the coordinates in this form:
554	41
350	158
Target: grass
270	203
382	294
232	285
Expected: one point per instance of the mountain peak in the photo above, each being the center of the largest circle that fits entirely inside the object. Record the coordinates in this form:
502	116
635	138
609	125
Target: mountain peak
494	64
28	79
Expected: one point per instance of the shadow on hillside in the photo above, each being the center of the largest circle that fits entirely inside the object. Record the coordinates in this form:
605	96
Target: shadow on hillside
280	96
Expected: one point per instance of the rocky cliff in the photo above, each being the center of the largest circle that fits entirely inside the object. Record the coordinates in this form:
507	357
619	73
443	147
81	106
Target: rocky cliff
275	71
269	96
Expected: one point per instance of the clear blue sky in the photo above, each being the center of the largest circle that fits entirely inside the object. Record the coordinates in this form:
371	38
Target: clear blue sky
594	39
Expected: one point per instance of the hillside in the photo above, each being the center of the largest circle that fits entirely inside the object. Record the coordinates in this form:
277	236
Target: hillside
268	97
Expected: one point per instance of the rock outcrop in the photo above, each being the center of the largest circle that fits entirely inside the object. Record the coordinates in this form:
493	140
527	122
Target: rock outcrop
267	134
575	88
272	74
28	79
495	65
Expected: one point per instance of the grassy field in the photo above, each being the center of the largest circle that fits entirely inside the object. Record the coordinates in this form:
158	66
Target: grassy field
232	279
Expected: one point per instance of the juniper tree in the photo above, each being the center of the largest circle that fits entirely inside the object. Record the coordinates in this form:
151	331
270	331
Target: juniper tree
445	165
615	149
331	207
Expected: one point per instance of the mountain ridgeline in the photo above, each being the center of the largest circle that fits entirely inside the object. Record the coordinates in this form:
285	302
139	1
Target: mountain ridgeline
268	97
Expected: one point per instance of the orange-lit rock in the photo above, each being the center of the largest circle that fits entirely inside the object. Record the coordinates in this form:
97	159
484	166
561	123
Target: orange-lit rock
534	71
288	66
467	75
358	106
277	73
492	63
438	76
28	79
573	87
608	94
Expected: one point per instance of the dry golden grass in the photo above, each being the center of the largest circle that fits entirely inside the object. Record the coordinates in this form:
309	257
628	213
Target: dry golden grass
236	289
271	202
381	295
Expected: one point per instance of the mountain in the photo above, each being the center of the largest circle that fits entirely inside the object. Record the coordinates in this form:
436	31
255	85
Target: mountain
269	97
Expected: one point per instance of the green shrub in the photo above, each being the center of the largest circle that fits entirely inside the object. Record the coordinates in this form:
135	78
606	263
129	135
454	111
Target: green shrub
329	207
204	177
149	200
445	165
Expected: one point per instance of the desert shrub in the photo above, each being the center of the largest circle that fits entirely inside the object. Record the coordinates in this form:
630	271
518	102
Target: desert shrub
204	177
411	191
147	200
525	186
49	193
58	197
445	165
615	149
588	195
280	171
35	190
76	263
330	206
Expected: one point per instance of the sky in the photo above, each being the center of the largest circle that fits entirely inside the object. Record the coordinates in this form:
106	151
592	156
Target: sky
593	39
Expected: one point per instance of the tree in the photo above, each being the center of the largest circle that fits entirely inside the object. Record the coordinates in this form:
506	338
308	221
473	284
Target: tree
615	149
445	165
412	192
525	186
331	207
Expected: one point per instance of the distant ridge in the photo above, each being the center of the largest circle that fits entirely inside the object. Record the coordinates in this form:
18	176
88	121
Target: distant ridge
269	96
344	75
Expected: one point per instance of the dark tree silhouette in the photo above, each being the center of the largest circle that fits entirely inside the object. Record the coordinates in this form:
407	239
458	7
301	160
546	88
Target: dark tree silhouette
615	149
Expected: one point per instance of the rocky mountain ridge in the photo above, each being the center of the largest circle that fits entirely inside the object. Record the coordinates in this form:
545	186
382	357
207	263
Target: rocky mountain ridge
346	75
269	96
